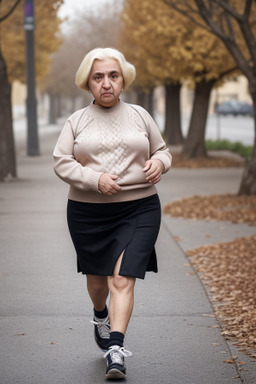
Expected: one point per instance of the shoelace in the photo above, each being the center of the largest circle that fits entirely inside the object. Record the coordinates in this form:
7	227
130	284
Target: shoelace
115	353
103	327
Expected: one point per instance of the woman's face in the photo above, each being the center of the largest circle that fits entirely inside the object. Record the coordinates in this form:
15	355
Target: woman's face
106	82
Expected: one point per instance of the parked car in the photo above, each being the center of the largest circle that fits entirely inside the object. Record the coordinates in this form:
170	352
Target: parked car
246	109
235	108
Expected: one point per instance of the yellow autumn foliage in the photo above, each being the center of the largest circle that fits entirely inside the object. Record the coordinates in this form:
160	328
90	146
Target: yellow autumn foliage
166	47
47	38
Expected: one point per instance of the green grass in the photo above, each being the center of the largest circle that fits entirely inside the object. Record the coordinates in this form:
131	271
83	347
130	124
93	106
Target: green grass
242	150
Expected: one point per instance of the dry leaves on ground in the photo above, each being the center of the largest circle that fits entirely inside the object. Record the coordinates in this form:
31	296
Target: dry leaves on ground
234	208
229	270
208	162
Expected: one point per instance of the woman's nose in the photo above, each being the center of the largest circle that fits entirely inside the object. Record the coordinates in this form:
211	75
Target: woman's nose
106	82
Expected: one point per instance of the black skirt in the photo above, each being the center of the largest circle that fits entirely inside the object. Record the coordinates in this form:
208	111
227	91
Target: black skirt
102	231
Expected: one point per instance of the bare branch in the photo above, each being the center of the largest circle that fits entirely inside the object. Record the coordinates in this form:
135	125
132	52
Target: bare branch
227	38
249	39
208	18
243	24
186	13
223	74
231	45
10	11
232	12
228	9
247	9
230	27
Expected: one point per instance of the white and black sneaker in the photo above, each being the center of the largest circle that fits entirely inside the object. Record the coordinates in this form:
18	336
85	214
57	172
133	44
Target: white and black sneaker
115	362
101	332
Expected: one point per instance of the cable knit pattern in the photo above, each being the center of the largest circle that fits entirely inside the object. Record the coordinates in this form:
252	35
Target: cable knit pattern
115	140
113	146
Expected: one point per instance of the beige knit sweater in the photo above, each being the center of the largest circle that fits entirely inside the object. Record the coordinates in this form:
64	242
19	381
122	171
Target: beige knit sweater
115	140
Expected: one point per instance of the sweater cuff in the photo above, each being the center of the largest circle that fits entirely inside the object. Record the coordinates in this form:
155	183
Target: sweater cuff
92	180
166	160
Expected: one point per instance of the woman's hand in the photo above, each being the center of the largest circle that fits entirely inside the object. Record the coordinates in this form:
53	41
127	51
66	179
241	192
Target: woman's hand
107	184
154	169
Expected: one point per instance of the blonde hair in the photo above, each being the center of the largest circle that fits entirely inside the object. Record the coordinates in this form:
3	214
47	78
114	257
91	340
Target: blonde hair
83	72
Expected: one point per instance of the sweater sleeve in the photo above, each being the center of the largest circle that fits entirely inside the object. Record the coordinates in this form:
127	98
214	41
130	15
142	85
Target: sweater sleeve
68	168
158	148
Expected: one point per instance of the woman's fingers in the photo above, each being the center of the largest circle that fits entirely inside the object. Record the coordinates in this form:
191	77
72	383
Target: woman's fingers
154	169
107	184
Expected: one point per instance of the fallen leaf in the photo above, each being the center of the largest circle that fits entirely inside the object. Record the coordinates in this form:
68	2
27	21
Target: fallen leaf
228	361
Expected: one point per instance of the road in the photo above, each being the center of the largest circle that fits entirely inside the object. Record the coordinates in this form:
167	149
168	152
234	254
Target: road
235	129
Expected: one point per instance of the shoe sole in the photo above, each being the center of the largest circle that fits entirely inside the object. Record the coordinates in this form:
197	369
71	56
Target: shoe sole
114	373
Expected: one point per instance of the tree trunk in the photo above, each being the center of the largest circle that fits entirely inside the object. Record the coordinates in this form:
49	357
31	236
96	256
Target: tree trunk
141	98
194	145
248	182
7	146
150	102
52	109
58	105
172	132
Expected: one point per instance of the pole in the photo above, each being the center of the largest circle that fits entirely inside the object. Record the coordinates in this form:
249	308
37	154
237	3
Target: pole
218	115
31	103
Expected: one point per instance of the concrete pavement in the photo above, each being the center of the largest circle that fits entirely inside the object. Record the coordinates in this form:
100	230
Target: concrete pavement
46	336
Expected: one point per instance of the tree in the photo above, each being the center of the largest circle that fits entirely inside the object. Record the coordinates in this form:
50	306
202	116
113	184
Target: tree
211	65
233	23
173	132
169	49
13	66
7	150
47	38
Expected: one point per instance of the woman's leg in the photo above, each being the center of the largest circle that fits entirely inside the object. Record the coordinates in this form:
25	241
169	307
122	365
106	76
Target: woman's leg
120	310
121	299
98	290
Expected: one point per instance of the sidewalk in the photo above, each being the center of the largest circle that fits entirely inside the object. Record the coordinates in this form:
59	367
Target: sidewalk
46	335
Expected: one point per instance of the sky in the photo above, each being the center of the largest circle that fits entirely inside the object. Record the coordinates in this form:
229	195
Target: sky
71	7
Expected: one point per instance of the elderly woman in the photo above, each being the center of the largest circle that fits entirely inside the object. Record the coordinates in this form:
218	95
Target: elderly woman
111	154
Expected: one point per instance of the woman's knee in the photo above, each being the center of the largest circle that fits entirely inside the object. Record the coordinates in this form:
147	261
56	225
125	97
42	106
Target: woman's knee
122	283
